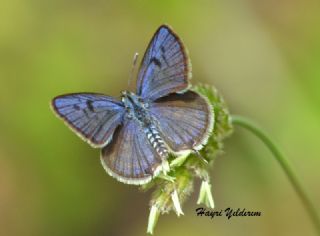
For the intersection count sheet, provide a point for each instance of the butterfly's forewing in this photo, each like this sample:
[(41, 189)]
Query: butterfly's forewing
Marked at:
[(94, 117), (130, 157), (165, 67), (185, 120)]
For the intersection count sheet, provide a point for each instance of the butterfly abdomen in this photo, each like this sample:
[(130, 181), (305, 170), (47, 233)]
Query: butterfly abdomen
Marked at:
[(156, 141)]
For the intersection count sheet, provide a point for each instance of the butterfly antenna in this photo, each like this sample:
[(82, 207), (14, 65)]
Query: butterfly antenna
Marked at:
[(135, 58), (201, 157)]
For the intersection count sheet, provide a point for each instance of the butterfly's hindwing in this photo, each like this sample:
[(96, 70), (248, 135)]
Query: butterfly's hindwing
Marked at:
[(130, 157), (94, 117), (165, 67), (184, 120)]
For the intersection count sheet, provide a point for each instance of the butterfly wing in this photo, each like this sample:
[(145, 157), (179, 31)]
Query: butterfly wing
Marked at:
[(184, 120), (165, 67), (94, 117), (130, 157)]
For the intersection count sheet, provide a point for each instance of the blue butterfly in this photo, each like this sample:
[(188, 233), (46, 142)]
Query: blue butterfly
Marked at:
[(137, 133)]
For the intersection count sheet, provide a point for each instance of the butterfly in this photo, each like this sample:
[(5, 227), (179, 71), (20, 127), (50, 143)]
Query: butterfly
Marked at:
[(137, 132)]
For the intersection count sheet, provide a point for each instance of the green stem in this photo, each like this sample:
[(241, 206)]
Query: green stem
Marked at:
[(286, 167)]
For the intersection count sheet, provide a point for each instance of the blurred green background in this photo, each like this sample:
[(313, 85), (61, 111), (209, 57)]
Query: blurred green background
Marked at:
[(263, 56)]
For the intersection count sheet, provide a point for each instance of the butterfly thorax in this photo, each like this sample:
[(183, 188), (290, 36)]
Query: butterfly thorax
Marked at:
[(137, 109)]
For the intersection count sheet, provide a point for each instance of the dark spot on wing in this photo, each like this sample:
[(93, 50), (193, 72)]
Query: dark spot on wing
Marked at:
[(90, 106), (155, 61), (76, 107), (163, 50)]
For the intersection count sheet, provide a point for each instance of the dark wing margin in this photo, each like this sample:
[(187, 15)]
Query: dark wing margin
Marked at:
[(184, 120), (165, 67), (129, 157), (93, 117)]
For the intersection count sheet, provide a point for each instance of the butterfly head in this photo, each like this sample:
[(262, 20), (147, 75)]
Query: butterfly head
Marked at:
[(128, 98)]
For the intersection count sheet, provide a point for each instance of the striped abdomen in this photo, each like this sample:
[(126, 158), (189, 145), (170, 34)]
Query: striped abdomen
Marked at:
[(156, 141)]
